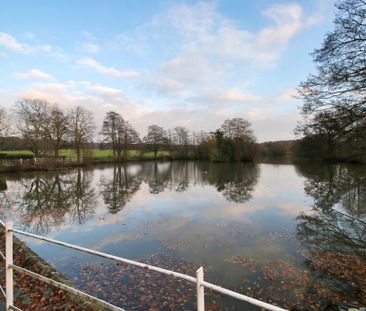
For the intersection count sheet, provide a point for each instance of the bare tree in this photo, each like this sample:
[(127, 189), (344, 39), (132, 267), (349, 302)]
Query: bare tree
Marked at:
[(81, 128), (337, 89), (4, 122), (111, 123), (170, 139), (32, 114), (181, 139), (200, 137), (119, 133), (55, 128), (156, 136), (235, 141), (127, 135), (238, 128), (181, 136)]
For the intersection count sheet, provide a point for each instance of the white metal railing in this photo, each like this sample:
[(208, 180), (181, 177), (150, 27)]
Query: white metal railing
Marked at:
[(198, 280)]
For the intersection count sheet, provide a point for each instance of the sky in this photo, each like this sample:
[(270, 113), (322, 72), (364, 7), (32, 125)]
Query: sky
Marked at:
[(171, 63)]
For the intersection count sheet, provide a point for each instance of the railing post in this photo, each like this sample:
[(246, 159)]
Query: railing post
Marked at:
[(200, 290), (8, 262)]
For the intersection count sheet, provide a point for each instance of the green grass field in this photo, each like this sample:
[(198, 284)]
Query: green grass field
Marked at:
[(94, 153), (17, 152)]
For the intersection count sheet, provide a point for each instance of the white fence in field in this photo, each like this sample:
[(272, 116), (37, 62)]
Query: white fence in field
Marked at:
[(35, 162), (199, 281)]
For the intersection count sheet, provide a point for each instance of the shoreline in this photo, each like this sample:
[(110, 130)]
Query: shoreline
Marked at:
[(31, 294), (51, 165)]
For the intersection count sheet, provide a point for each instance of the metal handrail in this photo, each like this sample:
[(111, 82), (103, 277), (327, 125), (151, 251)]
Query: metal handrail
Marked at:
[(105, 255), (2, 291), (198, 280)]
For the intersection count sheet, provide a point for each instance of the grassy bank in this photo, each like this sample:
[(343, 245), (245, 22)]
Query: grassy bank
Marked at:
[(23, 160), (93, 153)]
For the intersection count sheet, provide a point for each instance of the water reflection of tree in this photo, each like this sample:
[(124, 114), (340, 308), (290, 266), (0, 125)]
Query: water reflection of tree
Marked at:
[(46, 201), (180, 174), (236, 181), (334, 232), (5, 200), (338, 219), (119, 190), (158, 176), (83, 197)]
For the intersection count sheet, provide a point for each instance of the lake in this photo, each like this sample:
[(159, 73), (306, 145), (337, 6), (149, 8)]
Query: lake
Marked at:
[(288, 235)]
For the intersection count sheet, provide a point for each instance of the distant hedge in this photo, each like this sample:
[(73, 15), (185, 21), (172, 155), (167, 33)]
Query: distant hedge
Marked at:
[(15, 156)]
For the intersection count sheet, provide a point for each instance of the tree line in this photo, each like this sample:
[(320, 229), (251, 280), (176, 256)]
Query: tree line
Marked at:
[(45, 129), (234, 141)]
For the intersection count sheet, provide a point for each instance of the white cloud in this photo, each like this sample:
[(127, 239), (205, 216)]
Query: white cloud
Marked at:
[(225, 96), (192, 71), (91, 48), (166, 86), (288, 21), (33, 73), (208, 55), (286, 96), (104, 90), (267, 124), (52, 91), (276, 126), (10, 42), (97, 98), (200, 29), (111, 71)]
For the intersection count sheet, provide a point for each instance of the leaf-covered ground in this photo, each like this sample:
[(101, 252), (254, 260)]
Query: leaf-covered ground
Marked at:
[(31, 294)]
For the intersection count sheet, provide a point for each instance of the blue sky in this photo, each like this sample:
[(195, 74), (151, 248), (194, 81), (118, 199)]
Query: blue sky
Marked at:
[(189, 63)]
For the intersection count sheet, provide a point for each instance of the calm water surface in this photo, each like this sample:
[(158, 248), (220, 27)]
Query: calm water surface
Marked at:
[(289, 235)]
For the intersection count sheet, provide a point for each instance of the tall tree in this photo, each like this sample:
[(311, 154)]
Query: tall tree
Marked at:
[(181, 136), (4, 122), (236, 140), (4, 125), (119, 133), (181, 139), (238, 128), (55, 128), (81, 128), (32, 114), (111, 124), (127, 136), (155, 138), (339, 85)]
